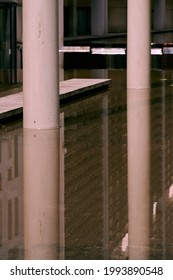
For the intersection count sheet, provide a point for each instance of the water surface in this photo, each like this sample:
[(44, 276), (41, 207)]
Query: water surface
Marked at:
[(68, 193)]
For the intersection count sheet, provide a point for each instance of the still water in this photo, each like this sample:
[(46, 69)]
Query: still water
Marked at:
[(101, 186)]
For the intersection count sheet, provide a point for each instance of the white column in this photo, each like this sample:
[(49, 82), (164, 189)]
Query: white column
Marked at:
[(138, 44), (138, 120), (138, 127), (99, 17), (40, 62)]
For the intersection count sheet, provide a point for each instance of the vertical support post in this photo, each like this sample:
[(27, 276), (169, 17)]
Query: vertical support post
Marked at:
[(99, 17), (40, 73), (13, 47), (138, 127), (138, 44)]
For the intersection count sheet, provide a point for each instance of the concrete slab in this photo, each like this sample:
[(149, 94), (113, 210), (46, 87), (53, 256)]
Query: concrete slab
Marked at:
[(13, 104), (74, 87)]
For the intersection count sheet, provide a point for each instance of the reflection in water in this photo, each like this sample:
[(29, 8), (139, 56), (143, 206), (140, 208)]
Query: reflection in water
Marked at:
[(11, 194), (86, 222), (138, 119), (103, 73), (162, 166), (43, 218), (87, 215), (105, 162)]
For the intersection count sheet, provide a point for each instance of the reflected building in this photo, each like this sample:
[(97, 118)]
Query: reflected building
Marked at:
[(118, 218), (162, 164), (96, 175), (83, 179), (90, 219), (77, 18), (11, 195)]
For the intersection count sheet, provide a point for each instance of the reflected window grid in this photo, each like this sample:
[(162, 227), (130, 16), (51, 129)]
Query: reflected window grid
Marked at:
[(10, 148), (16, 158), (16, 205), (0, 182), (0, 153), (10, 220), (10, 174), (119, 173), (13, 254), (0, 223)]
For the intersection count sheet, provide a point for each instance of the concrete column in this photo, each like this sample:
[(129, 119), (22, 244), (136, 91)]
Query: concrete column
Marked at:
[(40, 74), (138, 120), (138, 44), (99, 17)]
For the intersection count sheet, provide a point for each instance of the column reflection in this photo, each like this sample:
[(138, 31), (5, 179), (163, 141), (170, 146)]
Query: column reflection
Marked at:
[(103, 74), (138, 119), (43, 209), (105, 171)]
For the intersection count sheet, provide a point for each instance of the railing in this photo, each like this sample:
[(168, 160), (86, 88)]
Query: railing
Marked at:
[(112, 51)]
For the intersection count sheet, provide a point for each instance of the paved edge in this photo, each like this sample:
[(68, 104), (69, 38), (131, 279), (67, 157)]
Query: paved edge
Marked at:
[(104, 83)]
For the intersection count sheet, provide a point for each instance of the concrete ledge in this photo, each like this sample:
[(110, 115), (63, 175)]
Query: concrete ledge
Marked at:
[(75, 87), (12, 105)]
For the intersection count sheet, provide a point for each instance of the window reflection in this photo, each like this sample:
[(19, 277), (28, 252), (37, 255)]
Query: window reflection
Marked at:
[(11, 195), (0, 223)]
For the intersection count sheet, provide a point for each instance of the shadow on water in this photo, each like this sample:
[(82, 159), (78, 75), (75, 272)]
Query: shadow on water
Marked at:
[(66, 194)]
